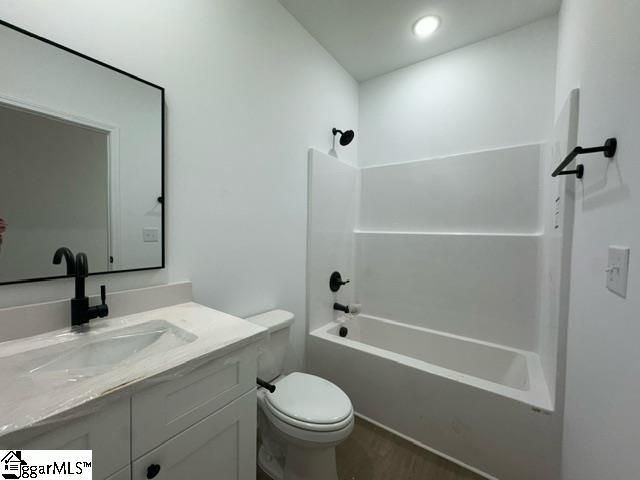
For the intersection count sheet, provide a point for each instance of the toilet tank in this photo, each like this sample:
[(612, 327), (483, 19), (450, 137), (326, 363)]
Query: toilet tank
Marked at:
[(276, 345)]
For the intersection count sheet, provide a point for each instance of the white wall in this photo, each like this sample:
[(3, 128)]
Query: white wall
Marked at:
[(495, 93), (598, 51), (248, 91), (333, 211)]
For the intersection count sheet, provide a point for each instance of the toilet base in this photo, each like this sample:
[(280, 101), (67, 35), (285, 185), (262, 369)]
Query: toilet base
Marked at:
[(301, 464), (269, 464)]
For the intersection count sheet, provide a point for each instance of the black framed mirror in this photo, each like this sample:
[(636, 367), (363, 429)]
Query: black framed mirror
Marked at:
[(81, 162)]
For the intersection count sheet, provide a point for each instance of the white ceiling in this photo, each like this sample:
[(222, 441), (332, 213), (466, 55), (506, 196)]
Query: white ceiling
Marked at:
[(372, 37)]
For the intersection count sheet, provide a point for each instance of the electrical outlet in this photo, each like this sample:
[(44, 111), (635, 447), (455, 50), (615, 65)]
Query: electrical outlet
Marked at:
[(618, 270), (150, 235)]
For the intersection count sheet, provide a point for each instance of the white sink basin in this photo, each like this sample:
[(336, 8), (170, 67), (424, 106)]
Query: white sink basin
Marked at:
[(88, 355), (63, 373)]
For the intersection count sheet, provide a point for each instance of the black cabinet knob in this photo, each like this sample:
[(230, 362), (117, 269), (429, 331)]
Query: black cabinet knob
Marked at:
[(153, 470)]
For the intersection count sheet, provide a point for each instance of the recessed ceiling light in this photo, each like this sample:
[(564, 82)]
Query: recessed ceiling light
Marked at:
[(426, 26)]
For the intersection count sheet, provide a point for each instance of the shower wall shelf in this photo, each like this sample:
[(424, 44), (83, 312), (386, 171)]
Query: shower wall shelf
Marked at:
[(609, 149)]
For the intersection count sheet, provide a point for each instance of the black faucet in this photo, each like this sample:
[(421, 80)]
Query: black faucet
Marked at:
[(81, 312)]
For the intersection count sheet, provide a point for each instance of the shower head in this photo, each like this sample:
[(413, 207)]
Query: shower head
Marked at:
[(346, 137)]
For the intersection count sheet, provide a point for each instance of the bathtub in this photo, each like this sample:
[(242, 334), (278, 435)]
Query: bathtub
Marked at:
[(482, 405)]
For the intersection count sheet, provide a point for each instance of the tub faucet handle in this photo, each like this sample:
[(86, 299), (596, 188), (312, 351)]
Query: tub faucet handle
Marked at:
[(335, 281)]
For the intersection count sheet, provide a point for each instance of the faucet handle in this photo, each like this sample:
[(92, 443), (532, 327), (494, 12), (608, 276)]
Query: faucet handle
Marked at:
[(103, 310), (335, 281)]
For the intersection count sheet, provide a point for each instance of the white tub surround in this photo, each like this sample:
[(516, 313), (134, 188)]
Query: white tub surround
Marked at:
[(447, 258), (489, 191), (332, 215), (61, 375), (482, 286), (427, 236)]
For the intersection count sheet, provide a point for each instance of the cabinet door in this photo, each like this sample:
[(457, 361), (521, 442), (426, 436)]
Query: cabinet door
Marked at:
[(107, 432), (124, 474), (164, 410), (222, 446)]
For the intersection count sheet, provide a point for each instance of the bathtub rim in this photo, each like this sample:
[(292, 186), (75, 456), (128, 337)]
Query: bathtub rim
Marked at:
[(537, 396)]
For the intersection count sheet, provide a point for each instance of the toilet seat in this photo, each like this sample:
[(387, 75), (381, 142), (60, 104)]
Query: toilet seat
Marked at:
[(309, 427), (309, 403), (308, 437)]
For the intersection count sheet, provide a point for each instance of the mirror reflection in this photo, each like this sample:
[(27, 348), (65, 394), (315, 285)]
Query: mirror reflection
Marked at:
[(80, 162)]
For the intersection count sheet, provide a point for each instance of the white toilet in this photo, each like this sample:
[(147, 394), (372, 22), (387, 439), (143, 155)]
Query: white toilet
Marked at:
[(305, 418)]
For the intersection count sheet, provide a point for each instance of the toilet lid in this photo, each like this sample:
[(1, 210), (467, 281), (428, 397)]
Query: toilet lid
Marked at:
[(310, 399)]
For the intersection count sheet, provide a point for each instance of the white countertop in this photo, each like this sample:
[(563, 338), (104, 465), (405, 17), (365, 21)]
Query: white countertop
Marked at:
[(33, 396)]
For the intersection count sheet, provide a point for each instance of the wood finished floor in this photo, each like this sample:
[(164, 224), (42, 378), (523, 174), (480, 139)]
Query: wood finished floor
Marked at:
[(371, 453)]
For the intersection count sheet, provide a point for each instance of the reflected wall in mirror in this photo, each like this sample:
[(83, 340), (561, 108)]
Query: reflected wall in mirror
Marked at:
[(81, 162)]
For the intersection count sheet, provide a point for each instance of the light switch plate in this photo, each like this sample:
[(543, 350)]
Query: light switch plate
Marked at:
[(618, 270), (151, 234)]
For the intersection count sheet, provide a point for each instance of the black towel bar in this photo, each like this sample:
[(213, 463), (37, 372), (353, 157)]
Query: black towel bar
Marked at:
[(609, 149)]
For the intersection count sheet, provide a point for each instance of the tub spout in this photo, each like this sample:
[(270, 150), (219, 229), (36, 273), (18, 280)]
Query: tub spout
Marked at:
[(351, 309), (341, 308)]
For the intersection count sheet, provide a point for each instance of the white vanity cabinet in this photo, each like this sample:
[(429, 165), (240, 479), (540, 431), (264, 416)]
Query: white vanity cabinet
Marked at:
[(124, 474), (106, 432), (201, 424), (164, 410), (222, 446)]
